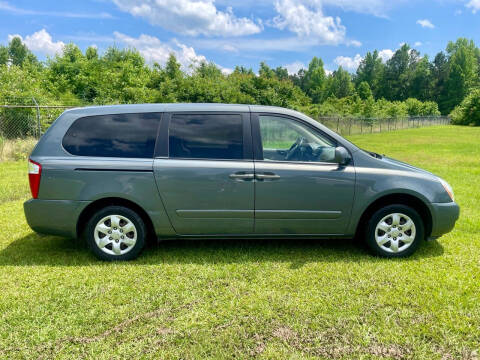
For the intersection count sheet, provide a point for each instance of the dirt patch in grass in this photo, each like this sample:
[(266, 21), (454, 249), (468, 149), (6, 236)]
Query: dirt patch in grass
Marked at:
[(115, 330)]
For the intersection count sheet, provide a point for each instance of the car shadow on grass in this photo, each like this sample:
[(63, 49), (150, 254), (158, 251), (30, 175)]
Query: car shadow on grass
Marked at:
[(35, 249)]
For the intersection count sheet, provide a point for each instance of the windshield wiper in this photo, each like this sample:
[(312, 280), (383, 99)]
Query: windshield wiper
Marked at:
[(374, 154)]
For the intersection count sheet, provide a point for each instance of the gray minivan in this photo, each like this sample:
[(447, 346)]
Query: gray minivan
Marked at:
[(121, 174)]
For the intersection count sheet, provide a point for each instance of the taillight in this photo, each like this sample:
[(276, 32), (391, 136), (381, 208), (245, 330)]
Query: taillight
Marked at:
[(34, 174)]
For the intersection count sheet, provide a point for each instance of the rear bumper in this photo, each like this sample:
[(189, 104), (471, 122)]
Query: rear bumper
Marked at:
[(54, 217), (444, 216)]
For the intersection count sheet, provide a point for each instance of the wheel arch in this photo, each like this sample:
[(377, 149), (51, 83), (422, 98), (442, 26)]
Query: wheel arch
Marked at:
[(96, 205), (413, 201)]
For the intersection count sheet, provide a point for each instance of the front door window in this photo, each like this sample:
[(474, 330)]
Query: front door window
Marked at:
[(284, 139)]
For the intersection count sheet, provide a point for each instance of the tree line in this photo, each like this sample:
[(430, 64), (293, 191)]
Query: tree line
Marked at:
[(406, 84)]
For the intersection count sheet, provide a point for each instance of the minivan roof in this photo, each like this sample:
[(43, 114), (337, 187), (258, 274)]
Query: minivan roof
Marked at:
[(108, 109)]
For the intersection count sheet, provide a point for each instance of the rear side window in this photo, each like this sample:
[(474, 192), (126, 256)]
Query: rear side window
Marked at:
[(116, 135), (204, 136)]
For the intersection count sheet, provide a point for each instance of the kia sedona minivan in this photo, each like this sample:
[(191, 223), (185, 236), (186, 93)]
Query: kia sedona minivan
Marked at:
[(118, 175)]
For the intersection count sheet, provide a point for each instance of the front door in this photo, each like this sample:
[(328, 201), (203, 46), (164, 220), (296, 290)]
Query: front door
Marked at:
[(299, 189), (205, 175)]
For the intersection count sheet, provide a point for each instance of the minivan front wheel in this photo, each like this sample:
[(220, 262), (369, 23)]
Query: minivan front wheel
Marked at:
[(116, 233), (395, 231)]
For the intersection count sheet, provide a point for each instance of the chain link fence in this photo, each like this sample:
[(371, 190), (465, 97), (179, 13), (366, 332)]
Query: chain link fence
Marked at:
[(351, 126), (22, 125)]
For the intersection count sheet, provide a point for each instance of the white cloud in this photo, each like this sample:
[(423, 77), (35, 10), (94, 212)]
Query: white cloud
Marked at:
[(425, 23), (5, 6), (355, 43), (256, 45), (229, 48), (155, 50), (306, 19), (294, 67), (418, 43), (386, 54), (225, 71), (41, 41), (474, 5), (378, 8), (373, 7), (350, 63), (190, 17)]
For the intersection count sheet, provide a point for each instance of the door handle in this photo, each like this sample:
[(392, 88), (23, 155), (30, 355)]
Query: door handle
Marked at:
[(267, 176), (241, 175)]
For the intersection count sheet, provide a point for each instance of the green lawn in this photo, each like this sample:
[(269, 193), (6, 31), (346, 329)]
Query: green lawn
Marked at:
[(266, 299)]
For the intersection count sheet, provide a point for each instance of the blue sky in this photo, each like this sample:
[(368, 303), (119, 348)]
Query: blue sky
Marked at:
[(243, 32)]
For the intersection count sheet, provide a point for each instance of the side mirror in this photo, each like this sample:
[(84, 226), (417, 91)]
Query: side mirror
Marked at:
[(342, 157)]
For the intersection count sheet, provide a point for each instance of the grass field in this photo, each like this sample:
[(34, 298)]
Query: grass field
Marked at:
[(263, 299)]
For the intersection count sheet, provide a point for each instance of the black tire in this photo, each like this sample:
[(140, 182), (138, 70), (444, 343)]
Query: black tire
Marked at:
[(141, 234), (385, 211)]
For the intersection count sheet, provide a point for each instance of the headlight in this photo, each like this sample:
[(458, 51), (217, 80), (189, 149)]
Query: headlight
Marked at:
[(447, 188)]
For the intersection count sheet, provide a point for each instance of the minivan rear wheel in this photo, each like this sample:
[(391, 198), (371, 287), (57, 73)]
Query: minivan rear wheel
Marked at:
[(116, 233), (395, 231)]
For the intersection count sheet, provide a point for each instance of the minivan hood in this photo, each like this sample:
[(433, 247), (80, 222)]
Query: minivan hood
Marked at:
[(404, 166)]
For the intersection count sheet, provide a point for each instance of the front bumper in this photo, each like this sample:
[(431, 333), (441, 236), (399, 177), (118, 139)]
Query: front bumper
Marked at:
[(54, 217), (444, 216)]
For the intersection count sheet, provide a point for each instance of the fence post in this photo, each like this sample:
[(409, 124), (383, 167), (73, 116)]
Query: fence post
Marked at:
[(38, 118)]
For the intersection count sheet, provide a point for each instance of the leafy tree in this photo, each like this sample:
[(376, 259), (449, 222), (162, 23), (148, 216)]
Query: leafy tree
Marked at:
[(369, 107), (420, 82), (314, 80), (67, 73), (298, 79), (414, 107), (19, 85), (468, 112), (281, 73), (243, 70), (3, 55), (172, 68), (395, 82), (430, 108), (463, 72), (370, 71), (364, 91), (208, 70), (265, 70), (405, 85), (91, 53), (339, 84), (439, 71), (18, 52)]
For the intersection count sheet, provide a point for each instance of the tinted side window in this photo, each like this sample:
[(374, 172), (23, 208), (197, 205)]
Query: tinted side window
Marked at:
[(206, 136), (116, 135)]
